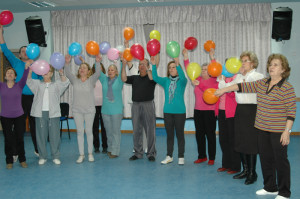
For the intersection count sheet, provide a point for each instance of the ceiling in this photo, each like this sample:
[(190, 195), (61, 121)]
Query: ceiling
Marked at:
[(23, 6)]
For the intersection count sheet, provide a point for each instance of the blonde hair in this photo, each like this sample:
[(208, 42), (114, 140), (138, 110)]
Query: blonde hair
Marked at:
[(116, 68), (89, 69), (252, 56)]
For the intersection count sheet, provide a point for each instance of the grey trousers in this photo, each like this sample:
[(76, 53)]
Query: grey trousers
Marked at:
[(45, 127), (143, 117)]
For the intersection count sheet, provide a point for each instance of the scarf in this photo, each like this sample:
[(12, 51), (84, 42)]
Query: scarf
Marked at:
[(110, 94), (172, 87)]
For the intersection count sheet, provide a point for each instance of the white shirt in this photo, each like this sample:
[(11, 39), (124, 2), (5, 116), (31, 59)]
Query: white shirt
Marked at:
[(244, 98), (98, 93), (46, 98)]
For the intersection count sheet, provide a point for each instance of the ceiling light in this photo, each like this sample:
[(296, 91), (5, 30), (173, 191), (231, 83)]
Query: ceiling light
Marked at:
[(42, 4)]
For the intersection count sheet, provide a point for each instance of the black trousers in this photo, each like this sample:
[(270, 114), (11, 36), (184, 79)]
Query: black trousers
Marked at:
[(96, 141), (26, 105), (13, 130), (205, 123), (274, 160), (230, 158), (175, 122)]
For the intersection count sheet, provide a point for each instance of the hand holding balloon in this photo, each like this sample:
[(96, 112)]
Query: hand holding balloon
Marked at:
[(195, 82), (98, 58), (68, 59)]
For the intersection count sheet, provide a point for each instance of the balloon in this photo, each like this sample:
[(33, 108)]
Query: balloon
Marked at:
[(209, 96), (113, 54), (77, 59), (6, 17), (120, 48), (214, 69), (127, 55), (154, 34), (233, 65), (57, 60), (153, 47), (40, 67), (137, 51), (173, 49), (193, 70), (75, 49), (225, 72), (104, 47), (128, 33), (92, 48), (209, 45), (190, 43), (32, 51)]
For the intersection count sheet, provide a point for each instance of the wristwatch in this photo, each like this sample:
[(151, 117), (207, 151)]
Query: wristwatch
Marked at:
[(288, 130)]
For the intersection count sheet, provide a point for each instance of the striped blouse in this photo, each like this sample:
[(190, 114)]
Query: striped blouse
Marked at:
[(274, 107)]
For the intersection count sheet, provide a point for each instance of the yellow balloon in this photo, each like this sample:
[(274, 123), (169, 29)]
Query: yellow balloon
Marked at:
[(154, 34), (233, 65), (193, 70)]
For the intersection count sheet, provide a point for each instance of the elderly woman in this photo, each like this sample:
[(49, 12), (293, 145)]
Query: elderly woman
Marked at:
[(204, 115), (174, 108), (276, 111), (246, 141), (83, 103), (112, 108), (11, 115), (46, 110)]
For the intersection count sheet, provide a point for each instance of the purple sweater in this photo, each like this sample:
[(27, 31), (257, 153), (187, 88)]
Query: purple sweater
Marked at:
[(11, 105)]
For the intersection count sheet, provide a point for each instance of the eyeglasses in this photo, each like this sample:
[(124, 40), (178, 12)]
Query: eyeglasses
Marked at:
[(245, 61)]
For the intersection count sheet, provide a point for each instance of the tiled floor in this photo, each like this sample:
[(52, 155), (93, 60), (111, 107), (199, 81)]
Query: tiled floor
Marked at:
[(120, 178)]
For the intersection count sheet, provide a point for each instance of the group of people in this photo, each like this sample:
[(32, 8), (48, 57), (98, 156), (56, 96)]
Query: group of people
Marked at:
[(255, 114)]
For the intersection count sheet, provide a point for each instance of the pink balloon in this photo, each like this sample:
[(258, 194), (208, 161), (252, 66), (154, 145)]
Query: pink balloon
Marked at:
[(113, 54), (40, 67), (6, 17), (153, 47), (137, 51)]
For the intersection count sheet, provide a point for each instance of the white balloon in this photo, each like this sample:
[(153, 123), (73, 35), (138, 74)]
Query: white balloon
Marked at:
[(120, 48)]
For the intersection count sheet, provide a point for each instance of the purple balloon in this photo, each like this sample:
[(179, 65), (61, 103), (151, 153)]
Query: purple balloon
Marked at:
[(40, 67), (57, 60), (104, 47), (77, 60)]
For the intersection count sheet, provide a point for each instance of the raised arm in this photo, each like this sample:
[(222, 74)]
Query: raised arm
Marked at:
[(96, 75), (68, 72), (179, 70), (155, 77), (185, 57), (123, 73), (1, 35), (63, 78)]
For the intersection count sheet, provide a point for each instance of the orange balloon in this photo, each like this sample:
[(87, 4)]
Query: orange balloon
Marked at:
[(127, 55), (128, 33), (214, 69), (209, 96), (92, 48), (209, 45)]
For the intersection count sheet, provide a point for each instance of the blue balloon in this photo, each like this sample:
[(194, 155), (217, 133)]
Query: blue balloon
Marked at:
[(75, 49), (104, 47), (225, 72), (57, 60), (77, 59), (32, 51)]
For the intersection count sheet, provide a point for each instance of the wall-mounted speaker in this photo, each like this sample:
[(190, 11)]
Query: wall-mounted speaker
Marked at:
[(35, 30), (282, 23)]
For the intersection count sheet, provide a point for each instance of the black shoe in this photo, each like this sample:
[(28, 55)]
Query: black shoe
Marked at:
[(133, 158), (104, 150), (151, 158), (97, 151)]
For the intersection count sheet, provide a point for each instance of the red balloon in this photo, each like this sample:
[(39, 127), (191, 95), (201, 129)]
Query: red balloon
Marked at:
[(153, 47), (137, 51), (209, 96), (6, 17), (214, 69), (190, 43)]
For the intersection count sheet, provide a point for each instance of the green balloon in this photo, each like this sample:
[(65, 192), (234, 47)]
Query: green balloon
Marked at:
[(173, 49)]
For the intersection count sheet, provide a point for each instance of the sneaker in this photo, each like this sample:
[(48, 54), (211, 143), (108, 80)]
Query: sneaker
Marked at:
[(15, 157), (24, 165), (151, 158), (91, 158), (42, 161), (263, 192), (134, 157), (200, 160), (97, 151), (56, 161), (211, 162), (167, 160), (181, 161), (281, 197), (37, 154), (80, 159), (9, 166), (146, 150)]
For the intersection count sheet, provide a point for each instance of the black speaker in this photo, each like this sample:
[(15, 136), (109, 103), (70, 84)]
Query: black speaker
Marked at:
[(35, 30), (282, 23)]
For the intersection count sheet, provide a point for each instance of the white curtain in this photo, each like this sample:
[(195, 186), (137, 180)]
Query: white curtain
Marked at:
[(233, 27)]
